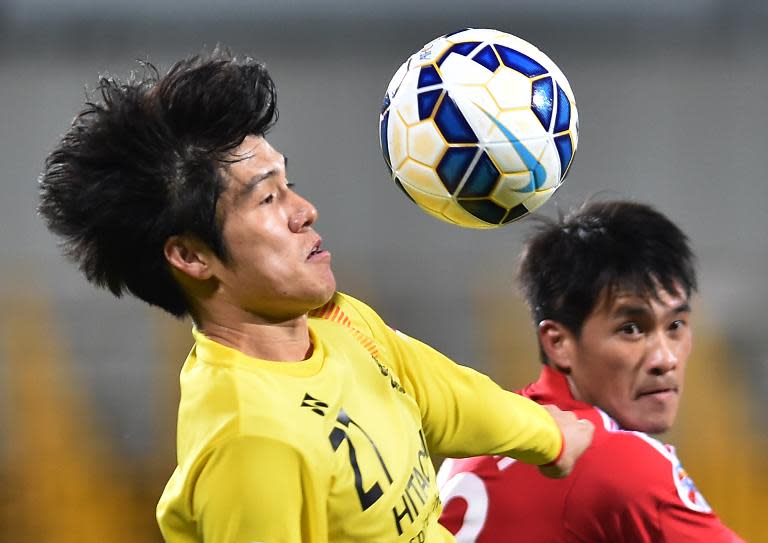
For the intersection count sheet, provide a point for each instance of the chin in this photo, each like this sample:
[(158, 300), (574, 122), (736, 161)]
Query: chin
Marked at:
[(322, 300), (649, 423), (654, 426), (658, 429), (323, 296)]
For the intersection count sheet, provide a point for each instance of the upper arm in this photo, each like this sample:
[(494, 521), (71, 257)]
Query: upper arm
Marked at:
[(257, 489), (463, 412)]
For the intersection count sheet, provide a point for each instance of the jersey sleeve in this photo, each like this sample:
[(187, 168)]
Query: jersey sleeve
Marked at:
[(257, 489), (681, 524), (633, 488), (463, 412)]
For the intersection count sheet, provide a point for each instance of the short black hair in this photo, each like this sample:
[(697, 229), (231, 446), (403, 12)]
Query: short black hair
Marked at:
[(602, 247), (143, 162)]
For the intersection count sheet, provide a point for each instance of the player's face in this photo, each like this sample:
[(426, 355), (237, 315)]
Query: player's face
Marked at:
[(630, 358), (277, 267)]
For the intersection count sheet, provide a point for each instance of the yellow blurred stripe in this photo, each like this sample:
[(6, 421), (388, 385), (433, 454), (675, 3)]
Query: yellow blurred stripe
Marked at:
[(66, 484)]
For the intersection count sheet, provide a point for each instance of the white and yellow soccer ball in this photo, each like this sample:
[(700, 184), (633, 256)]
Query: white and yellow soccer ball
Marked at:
[(478, 128)]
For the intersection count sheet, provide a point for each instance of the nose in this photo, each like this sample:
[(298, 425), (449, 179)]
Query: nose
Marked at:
[(663, 356), (304, 216)]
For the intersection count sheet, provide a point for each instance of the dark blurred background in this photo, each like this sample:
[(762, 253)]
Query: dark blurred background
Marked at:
[(674, 111)]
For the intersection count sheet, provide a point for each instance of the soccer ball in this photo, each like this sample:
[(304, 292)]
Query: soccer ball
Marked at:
[(478, 128)]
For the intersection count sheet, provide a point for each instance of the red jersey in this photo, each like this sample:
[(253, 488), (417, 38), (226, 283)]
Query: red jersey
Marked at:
[(627, 487)]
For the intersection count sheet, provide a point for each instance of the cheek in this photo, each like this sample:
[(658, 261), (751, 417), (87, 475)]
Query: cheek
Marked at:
[(255, 245), (251, 260), (607, 360), (264, 265), (685, 349), (612, 374)]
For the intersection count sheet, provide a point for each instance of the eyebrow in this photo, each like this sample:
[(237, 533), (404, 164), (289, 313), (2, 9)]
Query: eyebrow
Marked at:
[(637, 310), (626, 310), (254, 181)]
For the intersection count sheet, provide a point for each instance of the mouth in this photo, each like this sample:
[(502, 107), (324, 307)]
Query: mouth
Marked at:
[(660, 393), (317, 251)]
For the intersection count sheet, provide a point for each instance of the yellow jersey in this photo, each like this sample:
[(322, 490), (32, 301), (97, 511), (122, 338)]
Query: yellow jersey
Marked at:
[(336, 447)]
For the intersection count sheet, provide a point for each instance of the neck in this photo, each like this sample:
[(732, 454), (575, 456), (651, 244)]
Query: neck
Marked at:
[(280, 340), (574, 389)]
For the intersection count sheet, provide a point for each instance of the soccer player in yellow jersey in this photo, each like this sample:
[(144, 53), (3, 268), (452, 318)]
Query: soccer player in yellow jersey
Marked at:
[(303, 416)]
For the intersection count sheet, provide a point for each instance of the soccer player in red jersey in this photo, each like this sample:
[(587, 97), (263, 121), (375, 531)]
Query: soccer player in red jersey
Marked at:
[(609, 289)]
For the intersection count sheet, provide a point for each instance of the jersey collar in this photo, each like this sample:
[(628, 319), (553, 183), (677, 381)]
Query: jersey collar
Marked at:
[(552, 388), (211, 352)]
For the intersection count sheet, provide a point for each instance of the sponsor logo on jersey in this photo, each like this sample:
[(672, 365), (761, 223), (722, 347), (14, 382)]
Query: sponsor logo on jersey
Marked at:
[(385, 371), (688, 492), (317, 406), (686, 488), (417, 494)]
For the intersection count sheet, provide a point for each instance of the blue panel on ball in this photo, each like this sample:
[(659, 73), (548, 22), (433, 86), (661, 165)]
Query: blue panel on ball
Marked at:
[(452, 124), (520, 62), (453, 166), (485, 210), (401, 187), (486, 57), (385, 103), (563, 118), (463, 48), (385, 140), (482, 180), (515, 213), (428, 76), (565, 151), (427, 101), (542, 100)]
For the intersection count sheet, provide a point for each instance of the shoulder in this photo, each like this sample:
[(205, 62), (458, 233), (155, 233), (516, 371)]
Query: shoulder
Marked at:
[(623, 461), (348, 311), (355, 317), (625, 457), (222, 405), (248, 449)]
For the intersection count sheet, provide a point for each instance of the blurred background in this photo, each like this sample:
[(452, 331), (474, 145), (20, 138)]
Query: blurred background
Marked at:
[(674, 111)]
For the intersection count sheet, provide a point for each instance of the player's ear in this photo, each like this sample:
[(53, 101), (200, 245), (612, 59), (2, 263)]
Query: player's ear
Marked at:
[(190, 256), (558, 343)]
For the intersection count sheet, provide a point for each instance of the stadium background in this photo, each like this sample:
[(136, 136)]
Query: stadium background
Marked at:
[(674, 110)]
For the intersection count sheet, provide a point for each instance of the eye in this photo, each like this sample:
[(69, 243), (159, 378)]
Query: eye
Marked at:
[(630, 328), (677, 325), (267, 200)]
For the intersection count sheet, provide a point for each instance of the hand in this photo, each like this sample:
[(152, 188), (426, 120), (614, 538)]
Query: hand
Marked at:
[(577, 435)]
